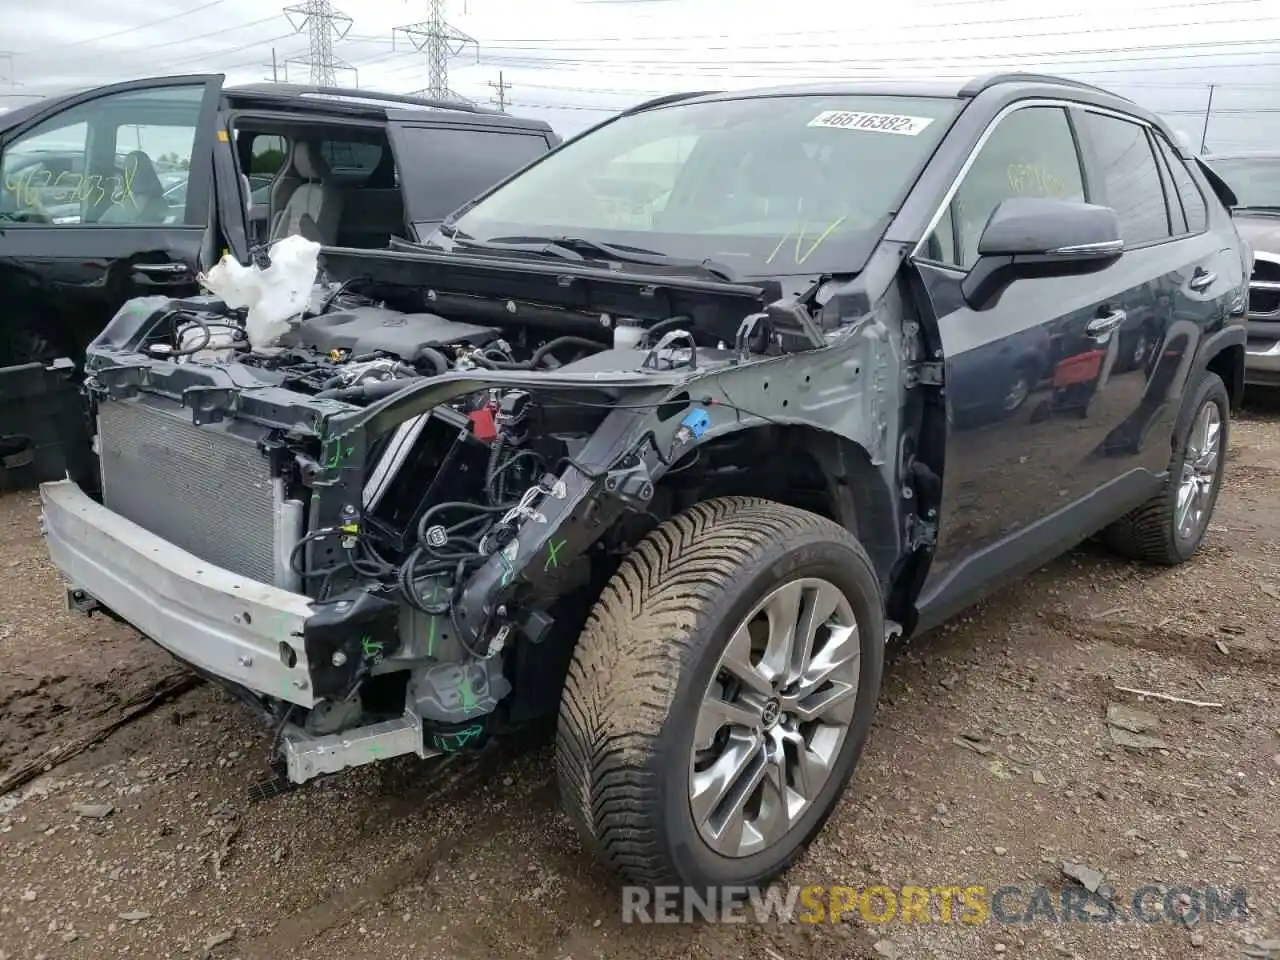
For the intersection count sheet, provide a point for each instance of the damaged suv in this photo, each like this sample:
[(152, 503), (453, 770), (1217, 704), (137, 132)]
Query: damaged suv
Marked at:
[(661, 434)]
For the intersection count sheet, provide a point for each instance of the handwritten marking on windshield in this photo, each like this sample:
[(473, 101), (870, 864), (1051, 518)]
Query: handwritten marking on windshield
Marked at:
[(802, 257)]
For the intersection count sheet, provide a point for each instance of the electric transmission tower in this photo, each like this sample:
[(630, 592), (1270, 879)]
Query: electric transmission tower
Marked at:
[(440, 41), (324, 25)]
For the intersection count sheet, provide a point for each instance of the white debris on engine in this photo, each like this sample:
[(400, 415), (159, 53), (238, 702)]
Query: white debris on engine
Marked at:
[(273, 296)]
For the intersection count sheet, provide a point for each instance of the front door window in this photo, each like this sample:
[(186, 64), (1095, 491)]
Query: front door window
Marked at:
[(117, 160)]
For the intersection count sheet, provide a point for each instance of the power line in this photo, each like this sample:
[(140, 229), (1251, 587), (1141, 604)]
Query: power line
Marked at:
[(962, 68), (824, 37), (216, 56), (323, 24), (440, 41), (500, 101), (1175, 49), (134, 29)]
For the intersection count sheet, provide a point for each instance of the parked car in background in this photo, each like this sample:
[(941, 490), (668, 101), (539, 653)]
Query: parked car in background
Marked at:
[(1255, 180), (135, 188)]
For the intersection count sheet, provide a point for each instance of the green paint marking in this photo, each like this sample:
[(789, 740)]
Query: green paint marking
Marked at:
[(369, 648), (431, 637), (468, 696), (553, 559), (471, 733), (456, 741), (337, 454)]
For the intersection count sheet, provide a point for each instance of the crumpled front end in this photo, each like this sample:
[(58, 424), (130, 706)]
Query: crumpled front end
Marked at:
[(355, 571), (385, 530)]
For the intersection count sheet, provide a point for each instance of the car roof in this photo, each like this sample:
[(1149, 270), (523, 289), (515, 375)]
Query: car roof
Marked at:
[(301, 98), (374, 104), (1011, 85), (1243, 155)]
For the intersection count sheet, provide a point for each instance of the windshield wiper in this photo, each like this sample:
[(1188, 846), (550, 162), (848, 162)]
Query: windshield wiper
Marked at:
[(465, 241), (620, 253)]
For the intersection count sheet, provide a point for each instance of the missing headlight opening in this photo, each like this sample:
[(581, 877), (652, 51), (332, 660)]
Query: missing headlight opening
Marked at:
[(443, 479)]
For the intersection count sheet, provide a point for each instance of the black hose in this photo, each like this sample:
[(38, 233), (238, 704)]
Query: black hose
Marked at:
[(366, 391), (342, 288), (493, 469), (661, 325), (433, 357), (189, 351), (540, 353)]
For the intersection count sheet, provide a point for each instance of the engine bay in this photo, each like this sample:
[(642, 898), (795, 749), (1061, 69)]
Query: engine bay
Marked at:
[(441, 494), (443, 474)]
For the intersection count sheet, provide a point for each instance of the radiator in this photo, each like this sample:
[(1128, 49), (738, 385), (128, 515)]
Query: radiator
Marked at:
[(205, 489)]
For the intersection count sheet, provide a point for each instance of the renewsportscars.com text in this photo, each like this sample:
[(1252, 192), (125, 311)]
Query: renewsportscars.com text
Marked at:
[(970, 904)]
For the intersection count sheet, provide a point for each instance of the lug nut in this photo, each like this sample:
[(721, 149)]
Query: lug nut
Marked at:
[(338, 658)]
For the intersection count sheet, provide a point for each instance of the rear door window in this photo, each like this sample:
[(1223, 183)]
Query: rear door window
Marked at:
[(351, 160), (444, 167), (1193, 205), (1130, 178)]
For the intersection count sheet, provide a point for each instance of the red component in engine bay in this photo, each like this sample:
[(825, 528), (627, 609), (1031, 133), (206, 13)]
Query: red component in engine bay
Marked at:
[(482, 424)]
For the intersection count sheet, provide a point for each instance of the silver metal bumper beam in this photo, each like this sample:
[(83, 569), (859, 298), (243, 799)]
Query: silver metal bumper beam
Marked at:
[(223, 623), (1262, 362)]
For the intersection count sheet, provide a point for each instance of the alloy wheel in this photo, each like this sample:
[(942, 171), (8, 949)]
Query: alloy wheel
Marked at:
[(1016, 395), (774, 717), (1140, 350), (1199, 471)]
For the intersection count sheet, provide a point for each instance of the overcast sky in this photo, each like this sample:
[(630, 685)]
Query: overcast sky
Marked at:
[(573, 62)]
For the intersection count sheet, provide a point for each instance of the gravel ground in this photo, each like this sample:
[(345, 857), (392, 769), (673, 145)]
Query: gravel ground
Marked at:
[(991, 764)]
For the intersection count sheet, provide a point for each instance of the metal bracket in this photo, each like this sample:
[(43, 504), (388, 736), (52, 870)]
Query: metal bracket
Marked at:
[(631, 484), (80, 602), (209, 404), (920, 532), (928, 374), (122, 382), (792, 317), (307, 757)]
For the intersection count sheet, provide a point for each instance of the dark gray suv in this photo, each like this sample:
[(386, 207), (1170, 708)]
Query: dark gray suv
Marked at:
[(1254, 178), (669, 435)]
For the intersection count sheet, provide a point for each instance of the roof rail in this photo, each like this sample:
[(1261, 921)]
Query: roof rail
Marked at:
[(666, 98), (978, 84), (353, 93)]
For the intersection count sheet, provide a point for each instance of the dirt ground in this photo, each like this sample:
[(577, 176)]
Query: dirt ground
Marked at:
[(992, 762)]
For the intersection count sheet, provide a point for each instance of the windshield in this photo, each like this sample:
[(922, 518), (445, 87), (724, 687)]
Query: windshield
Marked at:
[(1254, 180), (766, 186)]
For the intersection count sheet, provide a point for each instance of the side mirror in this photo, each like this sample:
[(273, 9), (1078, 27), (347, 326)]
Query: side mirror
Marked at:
[(1029, 237)]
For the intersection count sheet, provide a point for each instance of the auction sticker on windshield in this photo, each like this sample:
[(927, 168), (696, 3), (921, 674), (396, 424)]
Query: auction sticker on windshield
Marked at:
[(875, 122)]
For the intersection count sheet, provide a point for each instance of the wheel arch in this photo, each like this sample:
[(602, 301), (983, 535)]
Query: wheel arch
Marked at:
[(813, 469), (1228, 363)]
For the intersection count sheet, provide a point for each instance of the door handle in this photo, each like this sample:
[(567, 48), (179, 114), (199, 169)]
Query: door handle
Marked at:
[(162, 269), (1101, 328), (1201, 279)]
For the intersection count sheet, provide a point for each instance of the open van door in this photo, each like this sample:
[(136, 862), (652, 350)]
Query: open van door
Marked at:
[(105, 195)]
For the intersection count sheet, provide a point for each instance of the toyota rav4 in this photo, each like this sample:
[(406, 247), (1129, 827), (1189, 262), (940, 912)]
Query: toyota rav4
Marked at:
[(672, 433)]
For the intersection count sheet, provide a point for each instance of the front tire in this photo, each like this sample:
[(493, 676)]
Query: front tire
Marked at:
[(695, 745), (1169, 528)]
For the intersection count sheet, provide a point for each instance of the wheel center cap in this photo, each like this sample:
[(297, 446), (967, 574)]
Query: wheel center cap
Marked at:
[(770, 713)]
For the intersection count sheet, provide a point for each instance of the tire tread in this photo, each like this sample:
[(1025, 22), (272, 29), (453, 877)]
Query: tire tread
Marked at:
[(622, 680)]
